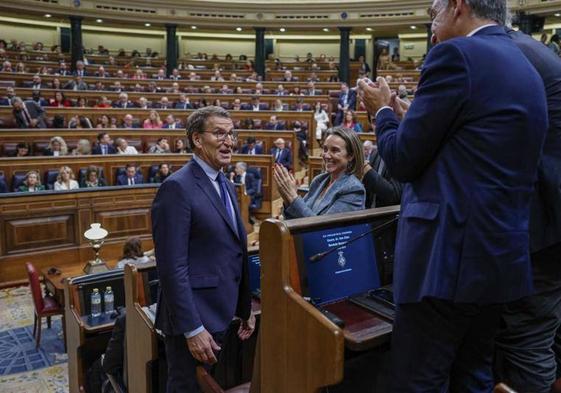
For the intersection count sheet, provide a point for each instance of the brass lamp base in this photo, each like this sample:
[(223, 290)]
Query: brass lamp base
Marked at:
[(93, 267)]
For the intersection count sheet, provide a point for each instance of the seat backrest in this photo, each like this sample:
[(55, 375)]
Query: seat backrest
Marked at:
[(35, 286), (3, 184), (17, 180), (152, 172), (50, 178)]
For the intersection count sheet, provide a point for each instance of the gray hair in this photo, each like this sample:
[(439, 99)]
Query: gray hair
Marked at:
[(241, 165), (496, 10), (196, 122)]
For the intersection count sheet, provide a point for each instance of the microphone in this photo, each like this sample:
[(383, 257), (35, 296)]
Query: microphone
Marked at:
[(320, 255)]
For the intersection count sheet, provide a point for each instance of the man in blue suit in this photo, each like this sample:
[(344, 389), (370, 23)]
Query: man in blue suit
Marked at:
[(282, 154), (347, 100), (131, 176), (525, 359), (201, 252), (467, 151), (251, 147)]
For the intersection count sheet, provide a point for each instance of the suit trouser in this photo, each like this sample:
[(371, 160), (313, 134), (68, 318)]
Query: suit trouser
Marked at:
[(182, 365), (440, 346), (525, 357)]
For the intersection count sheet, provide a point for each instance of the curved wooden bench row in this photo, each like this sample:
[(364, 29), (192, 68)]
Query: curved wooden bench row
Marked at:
[(92, 97), (322, 75), (141, 139), (20, 78)]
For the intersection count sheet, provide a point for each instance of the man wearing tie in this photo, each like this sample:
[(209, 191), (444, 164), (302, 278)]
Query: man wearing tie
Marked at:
[(468, 152), (282, 154), (201, 253), (131, 176), (251, 147), (347, 100), (80, 69), (28, 114), (104, 145)]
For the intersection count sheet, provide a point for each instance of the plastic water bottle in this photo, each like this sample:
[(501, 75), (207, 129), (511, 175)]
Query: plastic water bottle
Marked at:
[(108, 300), (96, 303)]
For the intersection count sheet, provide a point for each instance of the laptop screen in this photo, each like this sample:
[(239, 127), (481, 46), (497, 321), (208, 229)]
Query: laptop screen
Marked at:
[(349, 270)]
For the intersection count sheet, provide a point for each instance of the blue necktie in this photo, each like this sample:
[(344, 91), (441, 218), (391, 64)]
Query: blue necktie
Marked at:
[(223, 195)]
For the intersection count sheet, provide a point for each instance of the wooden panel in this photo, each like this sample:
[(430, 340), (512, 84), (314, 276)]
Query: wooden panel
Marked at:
[(125, 222), (39, 233)]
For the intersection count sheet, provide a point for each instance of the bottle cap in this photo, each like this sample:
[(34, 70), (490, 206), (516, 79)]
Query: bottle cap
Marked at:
[(95, 290), (108, 288)]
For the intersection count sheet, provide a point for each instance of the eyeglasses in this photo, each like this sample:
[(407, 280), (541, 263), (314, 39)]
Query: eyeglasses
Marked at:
[(434, 11), (221, 135)]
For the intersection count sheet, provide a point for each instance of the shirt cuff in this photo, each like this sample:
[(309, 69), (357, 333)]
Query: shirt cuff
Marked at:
[(193, 333), (382, 108)]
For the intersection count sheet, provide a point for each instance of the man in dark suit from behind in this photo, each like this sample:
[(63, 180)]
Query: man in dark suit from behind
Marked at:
[(28, 114), (251, 147), (468, 152), (131, 177), (525, 359), (104, 145), (201, 252)]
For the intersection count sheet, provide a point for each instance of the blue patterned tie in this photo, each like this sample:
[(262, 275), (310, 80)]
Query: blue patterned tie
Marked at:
[(223, 195)]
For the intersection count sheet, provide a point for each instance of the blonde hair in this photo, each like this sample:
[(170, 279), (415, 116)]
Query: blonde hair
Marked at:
[(32, 172), (63, 146), (65, 168)]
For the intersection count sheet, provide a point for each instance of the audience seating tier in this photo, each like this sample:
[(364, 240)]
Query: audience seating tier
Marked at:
[(239, 117), (21, 79)]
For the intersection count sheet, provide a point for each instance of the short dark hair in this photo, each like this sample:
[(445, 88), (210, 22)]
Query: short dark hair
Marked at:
[(101, 135), (130, 165), (132, 248), (197, 121), (250, 140)]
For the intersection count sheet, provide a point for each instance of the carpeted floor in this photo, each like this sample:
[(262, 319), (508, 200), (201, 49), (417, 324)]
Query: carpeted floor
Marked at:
[(23, 368)]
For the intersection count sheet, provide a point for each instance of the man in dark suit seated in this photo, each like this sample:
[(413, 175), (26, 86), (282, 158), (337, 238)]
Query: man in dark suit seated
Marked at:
[(468, 152), (201, 253), (172, 123), (128, 122), (123, 102), (183, 103), (80, 69), (104, 145), (76, 84), (242, 176), (251, 147), (312, 91), (63, 69), (37, 83), (524, 357), (130, 177), (7, 99), (143, 103), (274, 124), (283, 155), (163, 103), (347, 100), (36, 97), (28, 114), (255, 105)]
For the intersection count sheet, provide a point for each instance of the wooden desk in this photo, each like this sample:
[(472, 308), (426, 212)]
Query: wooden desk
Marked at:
[(54, 283), (304, 349), (363, 330)]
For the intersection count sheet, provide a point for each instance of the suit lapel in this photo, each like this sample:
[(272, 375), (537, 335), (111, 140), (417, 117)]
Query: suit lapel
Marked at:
[(204, 183), (328, 196)]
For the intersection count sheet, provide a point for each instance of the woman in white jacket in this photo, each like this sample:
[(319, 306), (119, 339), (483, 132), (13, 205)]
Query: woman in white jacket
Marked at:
[(322, 121)]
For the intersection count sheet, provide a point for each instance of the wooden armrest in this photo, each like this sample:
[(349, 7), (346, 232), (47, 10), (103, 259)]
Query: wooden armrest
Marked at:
[(206, 382)]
